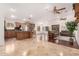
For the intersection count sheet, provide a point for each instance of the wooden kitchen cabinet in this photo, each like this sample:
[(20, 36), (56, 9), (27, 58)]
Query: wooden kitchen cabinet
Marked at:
[(51, 37), (10, 34), (20, 35), (23, 35)]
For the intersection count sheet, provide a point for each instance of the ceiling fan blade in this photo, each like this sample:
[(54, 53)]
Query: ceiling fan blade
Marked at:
[(61, 9), (56, 11)]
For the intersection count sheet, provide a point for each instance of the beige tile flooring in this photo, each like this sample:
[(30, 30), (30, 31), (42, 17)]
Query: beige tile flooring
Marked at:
[(30, 47)]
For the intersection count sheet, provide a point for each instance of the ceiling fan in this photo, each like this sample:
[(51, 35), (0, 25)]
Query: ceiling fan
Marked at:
[(58, 11)]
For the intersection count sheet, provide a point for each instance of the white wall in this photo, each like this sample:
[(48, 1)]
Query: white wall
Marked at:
[(39, 12), (77, 35), (1, 31), (69, 17)]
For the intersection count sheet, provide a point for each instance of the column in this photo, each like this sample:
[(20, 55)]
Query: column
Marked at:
[(2, 31)]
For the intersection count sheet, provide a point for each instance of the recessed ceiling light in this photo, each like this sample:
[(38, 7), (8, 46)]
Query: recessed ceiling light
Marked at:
[(24, 19), (12, 9), (47, 7), (12, 16), (31, 16)]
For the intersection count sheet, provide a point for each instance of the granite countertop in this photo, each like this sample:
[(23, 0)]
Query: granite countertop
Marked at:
[(18, 30)]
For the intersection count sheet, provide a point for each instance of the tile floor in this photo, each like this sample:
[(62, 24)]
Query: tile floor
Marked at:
[(29, 47)]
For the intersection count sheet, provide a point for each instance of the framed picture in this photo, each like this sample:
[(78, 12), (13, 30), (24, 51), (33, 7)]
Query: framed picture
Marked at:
[(9, 25)]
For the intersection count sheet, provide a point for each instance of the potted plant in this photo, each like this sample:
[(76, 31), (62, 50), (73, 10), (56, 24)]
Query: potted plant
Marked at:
[(71, 26)]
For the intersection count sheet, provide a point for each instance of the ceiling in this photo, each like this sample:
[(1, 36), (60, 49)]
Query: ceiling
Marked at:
[(39, 11)]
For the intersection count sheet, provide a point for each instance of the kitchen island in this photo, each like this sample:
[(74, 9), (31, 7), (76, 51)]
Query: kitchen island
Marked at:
[(18, 34)]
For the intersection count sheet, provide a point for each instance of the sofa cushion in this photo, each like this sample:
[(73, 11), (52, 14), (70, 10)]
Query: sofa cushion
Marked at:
[(64, 33)]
